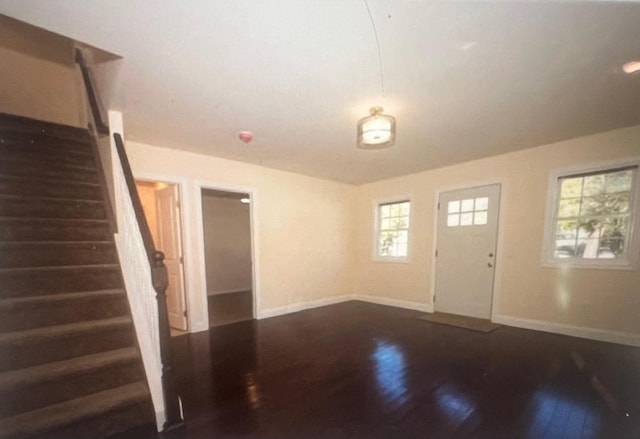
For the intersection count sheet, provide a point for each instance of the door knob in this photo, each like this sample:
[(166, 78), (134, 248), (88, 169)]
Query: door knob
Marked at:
[(489, 264), (490, 255)]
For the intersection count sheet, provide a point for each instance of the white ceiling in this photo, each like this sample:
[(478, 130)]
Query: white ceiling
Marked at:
[(464, 79)]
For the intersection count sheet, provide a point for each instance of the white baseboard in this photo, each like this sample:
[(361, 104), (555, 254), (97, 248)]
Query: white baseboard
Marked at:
[(536, 325), (160, 419), (288, 309), (417, 306), (625, 338)]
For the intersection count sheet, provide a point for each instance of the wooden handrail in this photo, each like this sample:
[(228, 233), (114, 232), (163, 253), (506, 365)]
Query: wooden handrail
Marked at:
[(143, 224), (100, 125), (159, 274)]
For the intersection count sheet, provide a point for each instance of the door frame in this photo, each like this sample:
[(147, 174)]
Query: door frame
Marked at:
[(199, 185), (148, 178), (497, 274)]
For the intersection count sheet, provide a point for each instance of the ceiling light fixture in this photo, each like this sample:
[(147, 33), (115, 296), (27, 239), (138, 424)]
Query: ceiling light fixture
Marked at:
[(245, 200), (631, 67), (377, 130)]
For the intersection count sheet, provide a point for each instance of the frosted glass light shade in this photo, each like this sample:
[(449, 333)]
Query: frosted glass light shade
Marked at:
[(377, 130)]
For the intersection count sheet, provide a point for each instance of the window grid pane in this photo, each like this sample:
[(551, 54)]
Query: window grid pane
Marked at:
[(593, 215), (480, 218), (482, 203), (467, 212), (466, 205), (393, 229), (466, 219)]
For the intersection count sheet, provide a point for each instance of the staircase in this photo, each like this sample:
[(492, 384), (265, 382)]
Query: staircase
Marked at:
[(69, 362)]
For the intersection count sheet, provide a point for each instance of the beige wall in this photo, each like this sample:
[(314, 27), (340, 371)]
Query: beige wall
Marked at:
[(313, 237), (591, 298), (302, 227), (40, 89), (39, 79), (227, 244)]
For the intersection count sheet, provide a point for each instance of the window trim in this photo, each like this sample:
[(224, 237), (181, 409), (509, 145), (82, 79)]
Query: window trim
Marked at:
[(376, 229), (630, 261)]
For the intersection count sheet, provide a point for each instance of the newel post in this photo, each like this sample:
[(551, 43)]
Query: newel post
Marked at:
[(160, 280)]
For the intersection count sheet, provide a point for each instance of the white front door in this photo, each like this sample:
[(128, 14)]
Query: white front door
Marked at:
[(466, 250), (169, 242)]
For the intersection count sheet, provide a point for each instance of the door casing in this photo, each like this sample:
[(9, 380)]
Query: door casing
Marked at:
[(199, 186)]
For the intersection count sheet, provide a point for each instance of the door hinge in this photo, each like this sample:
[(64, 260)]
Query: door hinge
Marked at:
[(178, 204), (434, 299), (184, 313), (436, 253), (438, 205), (181, 260)]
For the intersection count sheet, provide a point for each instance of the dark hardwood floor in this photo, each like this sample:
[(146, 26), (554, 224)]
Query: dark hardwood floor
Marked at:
[(357, 370), (230, 308)]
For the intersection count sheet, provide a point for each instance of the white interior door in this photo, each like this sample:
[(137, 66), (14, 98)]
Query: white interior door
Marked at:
[(466, 250), (170, 243)]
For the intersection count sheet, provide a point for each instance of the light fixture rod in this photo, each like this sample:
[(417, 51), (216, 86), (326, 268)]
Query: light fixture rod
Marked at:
[(375, 33)]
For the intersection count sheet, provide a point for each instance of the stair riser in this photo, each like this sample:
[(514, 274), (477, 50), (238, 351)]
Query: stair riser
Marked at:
[(24, 317), (111, 423), (35, 283), (68, 209), (42, 143), (17, 256), (21, 230), (36, 188), (32, 397), (48, 170), (57, 349), (45, 155)]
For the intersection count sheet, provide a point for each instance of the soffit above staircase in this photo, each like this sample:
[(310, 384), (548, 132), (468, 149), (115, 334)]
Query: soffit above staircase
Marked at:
[(465, 80)]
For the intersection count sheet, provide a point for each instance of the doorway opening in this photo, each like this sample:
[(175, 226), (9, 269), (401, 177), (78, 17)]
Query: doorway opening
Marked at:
[(226, 222), (467, 234), (161, 204)]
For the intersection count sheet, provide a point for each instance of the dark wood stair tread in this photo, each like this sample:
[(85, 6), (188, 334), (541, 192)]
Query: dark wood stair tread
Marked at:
[(76, 222), (22, 160), (30, 301), (62, 267), (46, 199), (76, 410), (49, 180), (43, 141), (21, 124), (10, 244), (37, 335), (56, 370)]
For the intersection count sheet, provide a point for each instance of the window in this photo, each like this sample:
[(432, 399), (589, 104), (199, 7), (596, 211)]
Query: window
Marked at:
[(468, 212), (392, 230), (592, 218)]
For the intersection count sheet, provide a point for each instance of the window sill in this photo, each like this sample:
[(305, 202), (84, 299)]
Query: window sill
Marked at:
[(391, 259), (555, 263)]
